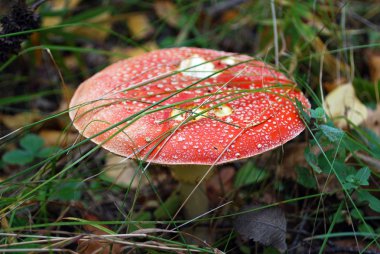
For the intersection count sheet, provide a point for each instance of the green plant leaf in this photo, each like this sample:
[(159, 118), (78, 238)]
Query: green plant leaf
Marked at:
[(67, 191), (356, 213), (170, 206), (305, 178), (270, 250), (46, 152), (349, 185), (18, 157), (366, 89), (332, 133), (343, 170), (141, 217), (324, 161), (363, 175), (32, 143), (306, 31), (350, 144), (317, 113), (301, 110), (250, 174), (373, 141), (366, 229), (312, 160), (365, 196)]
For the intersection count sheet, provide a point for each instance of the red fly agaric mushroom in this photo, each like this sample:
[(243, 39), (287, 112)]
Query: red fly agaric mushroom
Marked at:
[(188, 108)]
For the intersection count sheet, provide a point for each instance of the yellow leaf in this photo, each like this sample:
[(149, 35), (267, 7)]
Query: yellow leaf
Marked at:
[(61, 4), (342, 105), (55, 6), (167, 11), (19, 120), (139, 25), (103, 23)]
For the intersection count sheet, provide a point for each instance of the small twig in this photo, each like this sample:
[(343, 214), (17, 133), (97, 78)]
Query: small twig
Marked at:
[(372, 162), (154, 245), (364, 21)]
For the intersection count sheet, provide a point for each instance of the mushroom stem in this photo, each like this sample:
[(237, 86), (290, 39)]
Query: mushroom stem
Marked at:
[(195, 196)]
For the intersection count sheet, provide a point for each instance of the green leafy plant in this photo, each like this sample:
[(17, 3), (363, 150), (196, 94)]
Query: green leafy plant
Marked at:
[(360, 178), (334, 145), (68, 190), (31, 148), (250, 174)]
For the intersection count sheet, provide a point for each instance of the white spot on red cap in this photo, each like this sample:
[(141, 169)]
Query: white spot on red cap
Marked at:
[(229, 60), (197, 67)]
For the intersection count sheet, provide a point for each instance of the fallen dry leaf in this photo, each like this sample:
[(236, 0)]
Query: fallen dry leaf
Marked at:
[(5, 226), (139, 25), (56, 6), (60, 4), (342, 106), (266, 226), (19, 120), (122, 172), (167, 10), (51, 21), (96, 245), (71, 61), (230, 15), (103, 23)]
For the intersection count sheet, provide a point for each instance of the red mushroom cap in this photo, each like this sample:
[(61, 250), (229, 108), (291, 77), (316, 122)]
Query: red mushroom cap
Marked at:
[(188, 106)]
